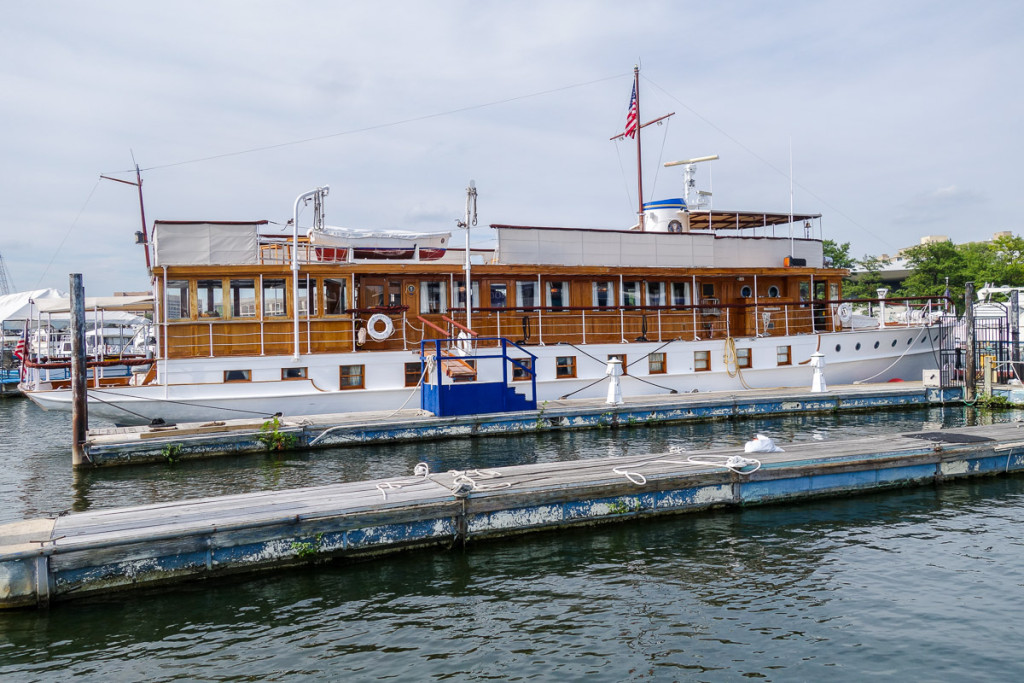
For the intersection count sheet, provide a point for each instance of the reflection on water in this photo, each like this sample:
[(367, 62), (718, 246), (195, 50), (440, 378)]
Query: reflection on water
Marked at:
[(917, 583)]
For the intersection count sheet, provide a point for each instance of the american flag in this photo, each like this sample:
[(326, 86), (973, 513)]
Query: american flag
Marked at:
[(19, 348), (633, 117)]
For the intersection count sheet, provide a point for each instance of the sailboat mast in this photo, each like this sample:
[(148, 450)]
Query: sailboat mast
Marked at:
[(639, 159)]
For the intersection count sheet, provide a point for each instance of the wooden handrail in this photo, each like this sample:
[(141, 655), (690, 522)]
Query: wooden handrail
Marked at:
[(444, 332), (461, 327)]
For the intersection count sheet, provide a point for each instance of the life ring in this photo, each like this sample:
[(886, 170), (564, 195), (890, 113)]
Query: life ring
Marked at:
[(844, 313), (380, 335)]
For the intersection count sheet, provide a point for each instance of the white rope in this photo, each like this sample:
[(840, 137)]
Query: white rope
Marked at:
[(387, 485), (907, 350), (463, 481), (736, 463)]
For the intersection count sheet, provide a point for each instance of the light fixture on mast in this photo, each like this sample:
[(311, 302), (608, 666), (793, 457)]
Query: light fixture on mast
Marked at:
[(688, 173)]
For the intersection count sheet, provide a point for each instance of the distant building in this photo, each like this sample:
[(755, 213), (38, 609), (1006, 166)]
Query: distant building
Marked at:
[(894, 269)]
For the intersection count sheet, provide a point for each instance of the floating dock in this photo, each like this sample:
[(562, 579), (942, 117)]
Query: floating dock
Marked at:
[(96, 552), (136, 445)]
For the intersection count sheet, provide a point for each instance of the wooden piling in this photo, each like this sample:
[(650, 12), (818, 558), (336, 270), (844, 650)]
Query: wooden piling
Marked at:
[(79, 396), (970, 371)]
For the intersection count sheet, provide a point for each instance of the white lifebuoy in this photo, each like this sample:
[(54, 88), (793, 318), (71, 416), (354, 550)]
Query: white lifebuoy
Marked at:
[(380, 335), (844, 313)]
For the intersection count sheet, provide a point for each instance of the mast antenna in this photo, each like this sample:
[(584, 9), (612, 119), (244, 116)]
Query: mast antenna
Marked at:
[(143, 236)]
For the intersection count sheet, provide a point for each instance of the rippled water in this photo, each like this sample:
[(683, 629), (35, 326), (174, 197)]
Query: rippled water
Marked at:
[(919, 584)]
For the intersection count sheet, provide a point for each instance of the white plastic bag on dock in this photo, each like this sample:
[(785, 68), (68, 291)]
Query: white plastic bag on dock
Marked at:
[(761, 444)]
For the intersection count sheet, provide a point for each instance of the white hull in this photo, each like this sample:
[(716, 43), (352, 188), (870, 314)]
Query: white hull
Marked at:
[(193, 391)]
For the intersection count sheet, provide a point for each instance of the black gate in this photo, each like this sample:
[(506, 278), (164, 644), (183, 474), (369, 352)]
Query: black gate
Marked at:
[(991, 338)]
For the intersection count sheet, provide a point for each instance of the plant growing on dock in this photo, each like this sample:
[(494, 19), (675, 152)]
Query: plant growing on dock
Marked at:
[(306, 549), (171, 452), (991, 403), (622, 507), (273, 438), (540, 424)]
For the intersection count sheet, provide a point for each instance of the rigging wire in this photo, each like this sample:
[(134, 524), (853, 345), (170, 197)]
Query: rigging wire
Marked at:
[(380, 126), (71, 227)]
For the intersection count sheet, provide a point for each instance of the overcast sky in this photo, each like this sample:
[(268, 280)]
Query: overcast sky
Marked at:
[(903, 117)]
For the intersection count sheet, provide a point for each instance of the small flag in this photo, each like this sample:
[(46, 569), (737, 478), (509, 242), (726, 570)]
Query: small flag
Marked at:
[(633, 116), (19, 348)]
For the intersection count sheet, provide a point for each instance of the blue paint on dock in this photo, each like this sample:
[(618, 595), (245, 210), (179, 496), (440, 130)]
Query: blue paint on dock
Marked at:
[(134, 445), (106, 550)]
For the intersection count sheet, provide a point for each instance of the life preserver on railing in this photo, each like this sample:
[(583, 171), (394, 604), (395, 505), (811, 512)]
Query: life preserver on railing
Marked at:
[(380, 334), (844, 313)]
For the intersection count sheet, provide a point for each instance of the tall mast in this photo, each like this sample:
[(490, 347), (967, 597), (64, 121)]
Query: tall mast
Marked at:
[(639, 160), (144, 235)]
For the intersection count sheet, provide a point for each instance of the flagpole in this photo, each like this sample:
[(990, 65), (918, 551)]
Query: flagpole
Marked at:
[(639, 160)]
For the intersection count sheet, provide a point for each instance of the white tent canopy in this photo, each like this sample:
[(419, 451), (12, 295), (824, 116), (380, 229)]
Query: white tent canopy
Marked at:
[(23, 305)]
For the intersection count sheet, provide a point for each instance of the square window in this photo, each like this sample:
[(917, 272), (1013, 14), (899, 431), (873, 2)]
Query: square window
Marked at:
[(783, 355), (558, 294), (701, 361), (293, 373), (622, 360), (178, 300), (243, 298), (743, 359), (565, 366), (499, 294), (335, 296), (433, 296), (680, 293), (274, 298), (526, 294), (521, 373), (630, 293), (603, 294), (210, 296), (307, 297), (238, 375), (412, 374), (353, 377), (707, 289), (656, 363)]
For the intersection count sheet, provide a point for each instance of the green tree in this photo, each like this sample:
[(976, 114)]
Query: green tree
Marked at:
[(1007, 253), (930, 266), (867, 280), (838, 254)]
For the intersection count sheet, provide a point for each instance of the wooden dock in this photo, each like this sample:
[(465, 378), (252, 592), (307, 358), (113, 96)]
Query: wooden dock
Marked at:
[(90, 553), (136, 445)]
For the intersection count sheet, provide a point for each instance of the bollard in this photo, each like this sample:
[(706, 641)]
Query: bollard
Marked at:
[(818, 363), (614, 371)]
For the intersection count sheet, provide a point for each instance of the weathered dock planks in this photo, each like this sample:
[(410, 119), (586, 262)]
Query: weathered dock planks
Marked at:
[(94, 552), (137, 445)]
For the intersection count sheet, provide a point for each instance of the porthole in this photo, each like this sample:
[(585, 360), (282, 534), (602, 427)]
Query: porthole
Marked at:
[(910, 340), (894, 342), (745, 291), (857, 348), (773, 292), (876, 345), (838, 346)]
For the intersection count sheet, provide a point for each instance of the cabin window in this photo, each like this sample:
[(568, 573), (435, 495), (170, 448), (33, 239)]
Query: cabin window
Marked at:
[(499, 294), (630, 294), (243, 298), (335, 296), (656, 363), (412, 374), (522, 372), (274, 298), (177, 300), (773, 292), (565, 366), (745, 292), (526, 294), (433, 297), (293, 373), (680, 293), (805, 290), (558, 294), (373, 295), (238, 375), (655, 293), (352, 377), (743, 359), (622, 360), (833, 290), (307, 307), (707, 289), (394, 293), (603, 294), (701, 361), (460, 294), (210, 296), (784, 355)]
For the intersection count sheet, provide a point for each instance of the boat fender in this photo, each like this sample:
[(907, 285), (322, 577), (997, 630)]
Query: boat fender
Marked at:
[(380, 334), (361, 336), (844, 313)]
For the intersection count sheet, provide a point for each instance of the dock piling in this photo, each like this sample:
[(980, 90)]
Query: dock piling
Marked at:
[(79, 397)]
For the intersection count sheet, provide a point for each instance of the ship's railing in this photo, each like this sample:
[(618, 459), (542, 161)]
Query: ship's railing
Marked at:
[(544, 325)]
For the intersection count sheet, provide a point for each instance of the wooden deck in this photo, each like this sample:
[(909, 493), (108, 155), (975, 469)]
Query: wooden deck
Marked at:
[(105, 550)]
